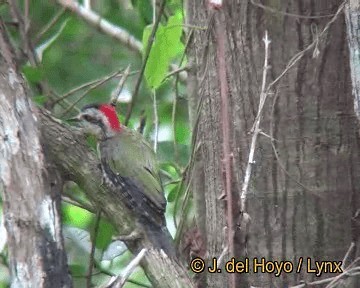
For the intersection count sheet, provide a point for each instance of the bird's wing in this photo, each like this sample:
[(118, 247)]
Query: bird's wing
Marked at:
[(138, 165)]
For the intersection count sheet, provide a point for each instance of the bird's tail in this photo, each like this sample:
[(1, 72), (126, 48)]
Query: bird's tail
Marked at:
[(159, 236)]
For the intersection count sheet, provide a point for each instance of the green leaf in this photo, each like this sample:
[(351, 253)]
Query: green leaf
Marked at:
[(75, 216), (33, 74), (39, 99), (172, 193), (167, 44), (166, 153), (105, 233)]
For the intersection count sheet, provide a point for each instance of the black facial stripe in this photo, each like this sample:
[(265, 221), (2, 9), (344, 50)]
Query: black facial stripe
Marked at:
[(96, 106)]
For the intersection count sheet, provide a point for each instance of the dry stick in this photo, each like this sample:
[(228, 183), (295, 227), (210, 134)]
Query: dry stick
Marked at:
[(109, 28), (348, 268), (82, 86), (345, 271), (296, 58), (102, 24), (146, 57), (272, 10), (175, 72), (67, 198), (99, 83), (255, 129), (92, 253), (23, 27), (224, 94), (117, 91), (347, 255), (301, 54), (119, 281), (348, 273)]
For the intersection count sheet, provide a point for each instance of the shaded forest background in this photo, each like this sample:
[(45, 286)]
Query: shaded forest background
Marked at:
[(273, 79)]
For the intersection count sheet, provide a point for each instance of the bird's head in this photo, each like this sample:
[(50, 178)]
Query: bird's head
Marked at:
[(100, 120)]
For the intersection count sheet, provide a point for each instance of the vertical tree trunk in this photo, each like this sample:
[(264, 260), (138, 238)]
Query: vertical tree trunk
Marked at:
[(303, 190), (352, 13), (31, 193)]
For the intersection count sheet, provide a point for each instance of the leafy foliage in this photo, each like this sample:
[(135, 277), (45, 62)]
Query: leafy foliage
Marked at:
[(167, 44)]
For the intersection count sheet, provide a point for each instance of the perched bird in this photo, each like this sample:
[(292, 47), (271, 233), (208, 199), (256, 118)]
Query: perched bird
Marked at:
[(129, 166)]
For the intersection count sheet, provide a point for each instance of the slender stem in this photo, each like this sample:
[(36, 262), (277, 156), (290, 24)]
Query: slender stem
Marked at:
[(92, 253), (146, 57)]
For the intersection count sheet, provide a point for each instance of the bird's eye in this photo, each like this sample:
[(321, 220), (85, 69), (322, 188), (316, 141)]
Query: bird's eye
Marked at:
[(87, 118)]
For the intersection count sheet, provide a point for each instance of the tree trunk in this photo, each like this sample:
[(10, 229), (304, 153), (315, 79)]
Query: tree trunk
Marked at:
[(31, 192), (303, 191)]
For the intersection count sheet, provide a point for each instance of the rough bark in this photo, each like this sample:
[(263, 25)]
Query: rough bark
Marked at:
[(313, 121), (352, 13), (30, 192), (77, 162)]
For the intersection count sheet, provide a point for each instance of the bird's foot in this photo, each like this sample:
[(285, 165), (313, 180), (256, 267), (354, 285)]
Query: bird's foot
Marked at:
[(134, 235)]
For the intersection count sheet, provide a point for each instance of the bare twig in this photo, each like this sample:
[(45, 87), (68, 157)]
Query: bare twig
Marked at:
[(68, 199), (92, 253), (109, 28), (255, 130), (117, 91), (272, 10), (94, 86), (146, 57), (90, 83), (102, 24), (352, 272), (348, 252), (23, 28), (52, 22), (176, 96), (174, 72), (118, 282), (296, 58)]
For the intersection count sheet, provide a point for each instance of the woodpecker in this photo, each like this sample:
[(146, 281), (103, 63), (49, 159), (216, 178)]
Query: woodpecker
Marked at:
[(130, 167)]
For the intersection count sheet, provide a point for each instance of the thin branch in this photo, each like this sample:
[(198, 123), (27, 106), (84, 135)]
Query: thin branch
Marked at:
[(296, 58), (175, 72), (117, 91), (49, 25), (103, 25), (119, 281), (272, 10), (82, 86), (350, 273), (92, 87), (176, 95), (348, 252), (92, 253), (23, 28), (68, 199), (255, 130), (146, 57), (109, 28)]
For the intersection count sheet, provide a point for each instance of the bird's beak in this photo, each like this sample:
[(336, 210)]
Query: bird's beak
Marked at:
[(74, 120)]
